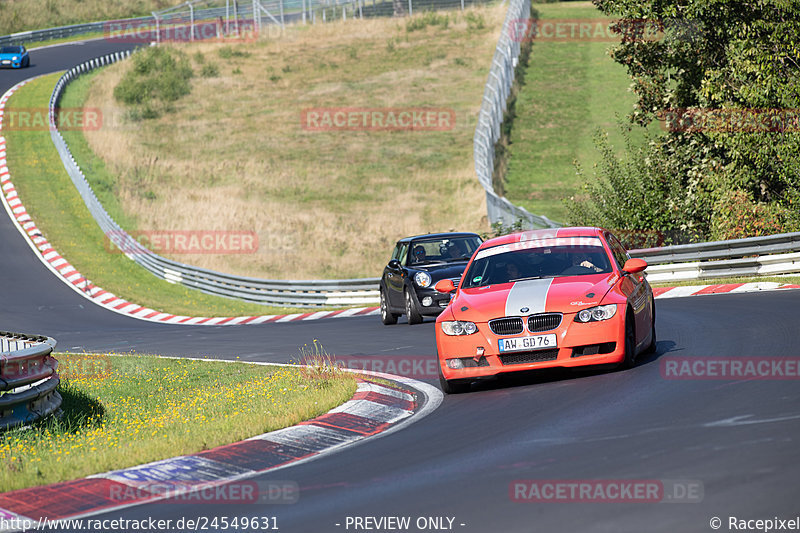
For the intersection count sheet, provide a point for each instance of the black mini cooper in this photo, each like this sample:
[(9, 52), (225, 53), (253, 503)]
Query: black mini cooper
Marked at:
[(416, 265)]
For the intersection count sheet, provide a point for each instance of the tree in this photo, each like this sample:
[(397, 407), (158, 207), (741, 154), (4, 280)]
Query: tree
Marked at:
[(724, 78)]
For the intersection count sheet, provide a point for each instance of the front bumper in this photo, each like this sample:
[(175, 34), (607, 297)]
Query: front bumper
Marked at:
[(439, 301), (8, 63), (578, 344)]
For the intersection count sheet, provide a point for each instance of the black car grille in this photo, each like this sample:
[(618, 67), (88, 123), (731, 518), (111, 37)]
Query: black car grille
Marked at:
[(506, 326), (537, 356), (512, 325), (543, 322), (456, 281)]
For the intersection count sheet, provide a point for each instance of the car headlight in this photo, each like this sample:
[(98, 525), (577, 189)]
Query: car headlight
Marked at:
[(422, 279), (459, 327), (14, 58), (597, 314)]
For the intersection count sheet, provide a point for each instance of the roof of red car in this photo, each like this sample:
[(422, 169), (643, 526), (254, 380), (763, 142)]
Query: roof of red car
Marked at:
[(538, 234)]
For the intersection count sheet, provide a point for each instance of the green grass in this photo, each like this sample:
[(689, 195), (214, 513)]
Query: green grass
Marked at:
[(52, 200), (121, 411), (571, 89)]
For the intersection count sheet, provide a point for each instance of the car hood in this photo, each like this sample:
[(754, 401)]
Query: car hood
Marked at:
[(9, 56), (563, 295), (443, 270)]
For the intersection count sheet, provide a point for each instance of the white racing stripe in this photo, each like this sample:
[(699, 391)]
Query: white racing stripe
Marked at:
[(531, 294)]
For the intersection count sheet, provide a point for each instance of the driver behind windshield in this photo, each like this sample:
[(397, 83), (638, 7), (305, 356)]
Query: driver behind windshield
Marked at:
[(456, 251), (419, 254)]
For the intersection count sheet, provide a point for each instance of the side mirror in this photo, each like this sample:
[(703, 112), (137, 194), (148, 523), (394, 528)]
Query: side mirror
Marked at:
[(632, 266), (445, 286), (394, 264)]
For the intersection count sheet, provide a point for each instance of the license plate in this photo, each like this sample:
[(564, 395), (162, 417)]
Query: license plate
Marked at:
[(534, 342), (6, 62)]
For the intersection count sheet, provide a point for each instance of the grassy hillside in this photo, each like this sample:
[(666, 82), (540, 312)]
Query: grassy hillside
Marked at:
[(22, 15), (235, 154), (572, 88)]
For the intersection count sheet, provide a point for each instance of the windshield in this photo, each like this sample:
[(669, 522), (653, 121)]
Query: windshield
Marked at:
[(9, 50), (445, 250), (546, 258)]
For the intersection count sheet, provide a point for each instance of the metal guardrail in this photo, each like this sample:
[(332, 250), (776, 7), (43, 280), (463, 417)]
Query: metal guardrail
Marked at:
[(487, 132), (275, 11), (780, 243), (73, 30), (291, 293), (28, 379), (753, 256)]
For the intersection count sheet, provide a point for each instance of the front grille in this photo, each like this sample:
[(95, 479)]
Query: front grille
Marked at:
[(506, 326), (456, 281), (543, 322), (537, 356)]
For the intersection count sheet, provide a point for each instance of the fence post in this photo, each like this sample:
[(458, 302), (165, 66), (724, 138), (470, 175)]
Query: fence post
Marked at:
[(191, 22), (410, 8)]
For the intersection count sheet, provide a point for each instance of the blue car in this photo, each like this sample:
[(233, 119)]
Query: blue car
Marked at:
[(14, 57)]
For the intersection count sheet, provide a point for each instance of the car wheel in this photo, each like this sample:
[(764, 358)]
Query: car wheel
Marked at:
[(630, 342), (387, 317), (652, 347), (453, 386), (412, 313)]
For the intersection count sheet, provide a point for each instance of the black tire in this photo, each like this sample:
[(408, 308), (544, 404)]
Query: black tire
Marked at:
[(453, 386), (651, 348), (412, 313), (387, 317), (630, 342)]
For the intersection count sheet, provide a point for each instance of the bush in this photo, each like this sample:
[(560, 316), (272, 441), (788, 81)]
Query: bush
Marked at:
[(737, 216), (159, 76), (210, 70), (648, 193), (229, 52), (429, 18), (475, 21)]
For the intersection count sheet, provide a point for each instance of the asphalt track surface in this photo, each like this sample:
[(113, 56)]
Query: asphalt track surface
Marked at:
[(740, 439)]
